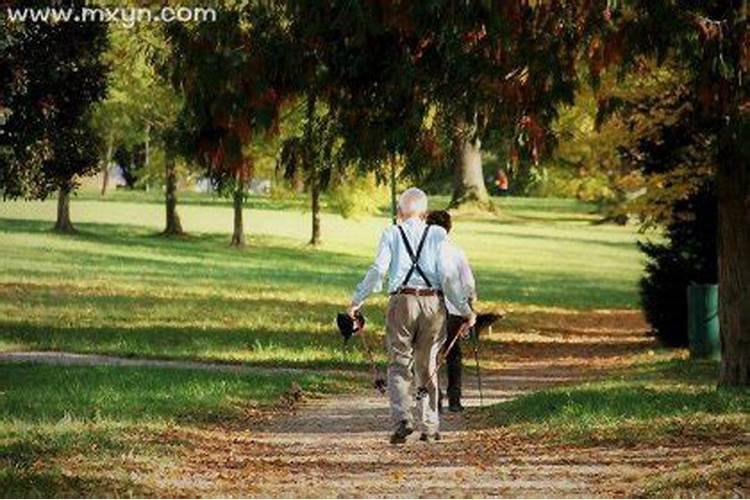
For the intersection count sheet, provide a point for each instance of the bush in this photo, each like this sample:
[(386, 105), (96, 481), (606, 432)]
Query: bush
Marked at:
[(688, 256), (355, 196)]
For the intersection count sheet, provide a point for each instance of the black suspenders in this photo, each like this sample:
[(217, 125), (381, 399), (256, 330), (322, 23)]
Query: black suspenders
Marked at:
[(414, 257)]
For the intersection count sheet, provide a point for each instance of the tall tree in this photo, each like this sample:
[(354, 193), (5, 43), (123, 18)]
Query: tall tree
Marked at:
[(232, 75), (50, 75), (312, 156), (141, 108), (468, 180), (712, 40), (515, 62), (501, 65)]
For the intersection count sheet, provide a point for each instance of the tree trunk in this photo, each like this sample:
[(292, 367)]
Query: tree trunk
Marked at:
[(106, 163), (733, 183), (520, 181), (173, 227), (315, 194), (312, 168), (63, 224), (468, 180), (147, 147), (238, 236), (298, 182)]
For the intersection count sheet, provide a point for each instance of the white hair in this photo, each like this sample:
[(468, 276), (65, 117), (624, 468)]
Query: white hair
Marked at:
[(412, 202)]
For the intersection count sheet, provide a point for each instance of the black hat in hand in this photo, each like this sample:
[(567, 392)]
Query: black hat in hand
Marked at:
[(349, 326)]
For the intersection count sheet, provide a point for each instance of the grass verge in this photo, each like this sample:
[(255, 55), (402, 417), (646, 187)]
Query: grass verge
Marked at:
[(647, 404)]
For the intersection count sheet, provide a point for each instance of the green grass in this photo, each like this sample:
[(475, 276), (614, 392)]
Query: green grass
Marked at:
[(48, 413), (649, 403), (116, 288)]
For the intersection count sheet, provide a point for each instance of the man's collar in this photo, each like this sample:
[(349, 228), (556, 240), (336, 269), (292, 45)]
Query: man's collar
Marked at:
[(413, 220)]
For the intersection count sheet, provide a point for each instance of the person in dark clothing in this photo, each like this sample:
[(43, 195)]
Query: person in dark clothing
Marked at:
[(455, 321)]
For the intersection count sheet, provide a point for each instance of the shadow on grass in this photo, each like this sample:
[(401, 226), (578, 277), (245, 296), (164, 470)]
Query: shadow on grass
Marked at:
[(53, 483), (134, 239)]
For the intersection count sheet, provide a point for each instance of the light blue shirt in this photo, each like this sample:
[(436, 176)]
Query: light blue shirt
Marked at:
[(392, 260)]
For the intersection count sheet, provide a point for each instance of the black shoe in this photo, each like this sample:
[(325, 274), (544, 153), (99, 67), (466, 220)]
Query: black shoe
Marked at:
[(404, 429), (455, 407), (429, 437)]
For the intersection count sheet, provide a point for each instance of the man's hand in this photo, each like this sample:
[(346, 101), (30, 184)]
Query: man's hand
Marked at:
[(471, 320), (353, 308)]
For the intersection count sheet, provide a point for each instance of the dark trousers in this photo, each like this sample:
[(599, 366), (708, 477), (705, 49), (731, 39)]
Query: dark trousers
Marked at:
[(453, 359)]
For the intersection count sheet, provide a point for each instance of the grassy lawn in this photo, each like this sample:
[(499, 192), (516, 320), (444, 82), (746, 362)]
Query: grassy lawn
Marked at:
[(649, 402), (667, 404), (117, 288), (56, 420)]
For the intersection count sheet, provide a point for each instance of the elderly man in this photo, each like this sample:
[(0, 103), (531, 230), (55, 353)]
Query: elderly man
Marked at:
[(413, 255)]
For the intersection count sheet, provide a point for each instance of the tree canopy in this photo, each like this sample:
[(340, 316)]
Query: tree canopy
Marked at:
[(51, 74)]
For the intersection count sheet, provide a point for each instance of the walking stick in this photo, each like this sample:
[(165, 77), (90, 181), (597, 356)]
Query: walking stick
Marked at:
[(378, 380), (349, 326), (483, 321), (422, 391), (479, 373)]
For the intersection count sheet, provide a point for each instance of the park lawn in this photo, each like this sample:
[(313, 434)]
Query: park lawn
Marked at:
[(117, 288), (659, 404), (60, 424), (648, 402)]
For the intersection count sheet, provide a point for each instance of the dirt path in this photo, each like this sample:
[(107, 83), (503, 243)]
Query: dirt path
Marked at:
[(337, 447)]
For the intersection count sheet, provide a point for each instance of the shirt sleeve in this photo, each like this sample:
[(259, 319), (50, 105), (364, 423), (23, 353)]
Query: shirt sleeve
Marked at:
[(373, 280), (450, 277), (467, 277)]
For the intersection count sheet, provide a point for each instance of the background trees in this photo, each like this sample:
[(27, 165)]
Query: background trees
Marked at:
[(423, 83), (138, 118), (52, 74), (712, 43), (231, 73)]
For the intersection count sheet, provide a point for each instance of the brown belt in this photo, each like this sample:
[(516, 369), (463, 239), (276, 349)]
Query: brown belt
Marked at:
[(419, 292)]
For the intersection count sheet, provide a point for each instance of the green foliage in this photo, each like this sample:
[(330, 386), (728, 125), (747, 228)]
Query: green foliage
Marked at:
[(50, 76), (314, 152), (357, 195), (141, 106), (227, 100)]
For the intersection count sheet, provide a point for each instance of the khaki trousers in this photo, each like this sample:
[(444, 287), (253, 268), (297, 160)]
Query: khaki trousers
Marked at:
[(415, 331)]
